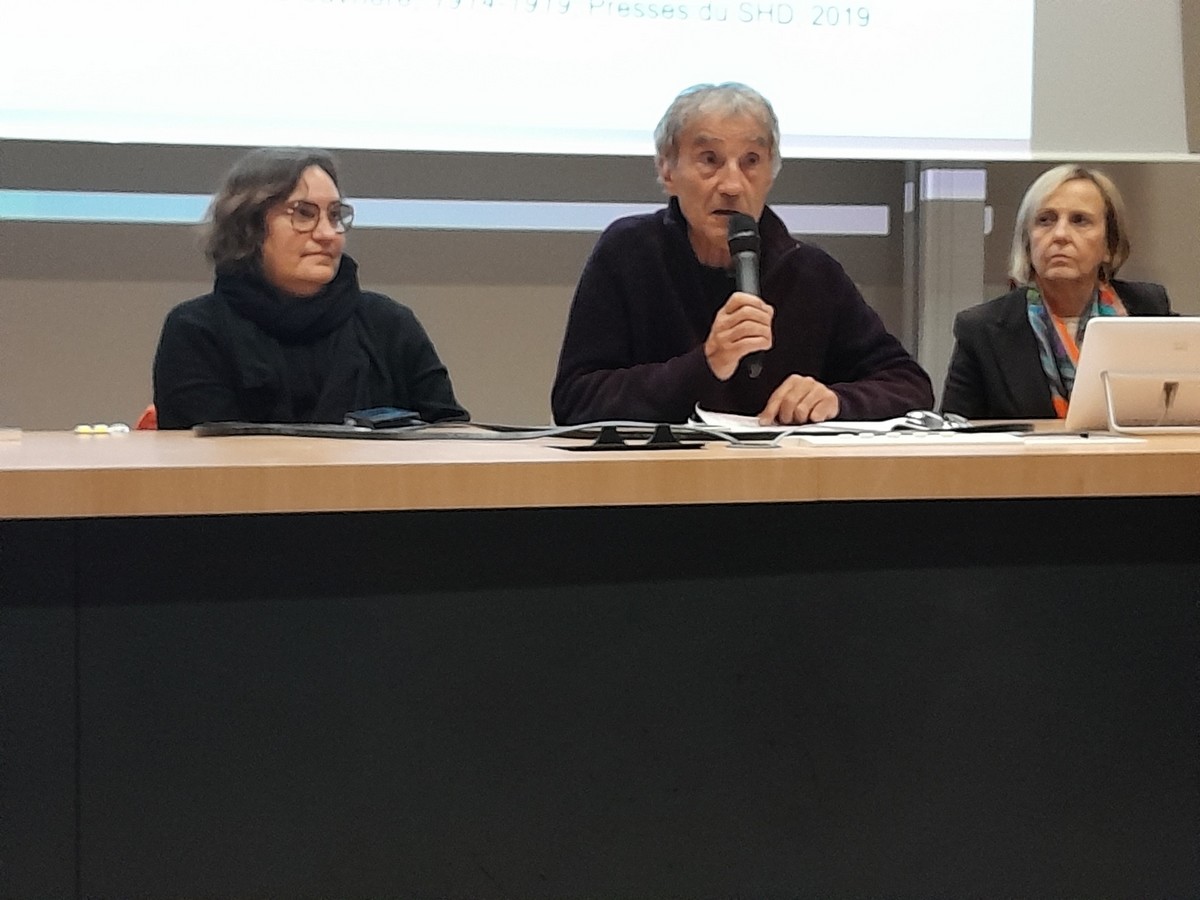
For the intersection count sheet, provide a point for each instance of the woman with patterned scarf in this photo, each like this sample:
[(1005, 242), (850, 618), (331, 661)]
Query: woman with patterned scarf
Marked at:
[(1014, 357)]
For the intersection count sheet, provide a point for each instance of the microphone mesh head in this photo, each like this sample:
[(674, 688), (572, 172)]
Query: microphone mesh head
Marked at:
[(743, 234)]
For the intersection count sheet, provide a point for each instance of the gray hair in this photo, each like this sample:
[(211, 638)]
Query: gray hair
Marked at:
[(1116, 231), (237, 217), (728, 99)]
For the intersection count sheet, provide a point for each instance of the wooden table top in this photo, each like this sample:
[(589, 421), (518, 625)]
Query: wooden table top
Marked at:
[(62, 474)]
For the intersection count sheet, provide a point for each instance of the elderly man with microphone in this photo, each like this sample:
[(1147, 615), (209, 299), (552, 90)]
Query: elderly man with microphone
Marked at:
[(710, 301)]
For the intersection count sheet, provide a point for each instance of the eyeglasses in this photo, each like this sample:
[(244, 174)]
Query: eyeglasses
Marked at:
[(305, 215)]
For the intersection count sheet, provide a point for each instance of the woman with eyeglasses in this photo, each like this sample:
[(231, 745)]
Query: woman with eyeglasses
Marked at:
[(287, 335)]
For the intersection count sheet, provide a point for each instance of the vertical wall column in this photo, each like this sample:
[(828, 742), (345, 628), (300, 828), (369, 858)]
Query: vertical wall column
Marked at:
[(943, 258), (1189, 28)]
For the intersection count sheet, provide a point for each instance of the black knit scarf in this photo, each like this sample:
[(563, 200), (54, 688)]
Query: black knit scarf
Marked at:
[(266, 320), (294, 320)]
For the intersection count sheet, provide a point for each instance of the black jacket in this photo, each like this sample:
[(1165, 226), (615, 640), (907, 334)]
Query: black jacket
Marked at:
[(245, 353), (996, 371)]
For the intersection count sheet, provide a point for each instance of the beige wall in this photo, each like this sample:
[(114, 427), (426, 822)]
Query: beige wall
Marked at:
[(81, 305)]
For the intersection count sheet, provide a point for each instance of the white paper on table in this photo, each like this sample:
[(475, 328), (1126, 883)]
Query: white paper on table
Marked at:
[(946, 438), (900, 430), (735, 424)]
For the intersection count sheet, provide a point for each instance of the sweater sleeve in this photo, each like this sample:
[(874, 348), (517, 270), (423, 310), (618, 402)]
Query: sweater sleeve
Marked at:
[(869, 369), (191, 381), (612, 366)]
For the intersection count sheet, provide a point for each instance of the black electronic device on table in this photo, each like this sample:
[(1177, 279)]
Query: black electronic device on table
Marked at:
[(383, 417)]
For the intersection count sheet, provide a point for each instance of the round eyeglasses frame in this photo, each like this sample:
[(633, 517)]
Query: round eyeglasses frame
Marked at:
[(304, 215)]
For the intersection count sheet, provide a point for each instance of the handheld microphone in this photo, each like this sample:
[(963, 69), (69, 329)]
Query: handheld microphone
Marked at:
[(743, 247)]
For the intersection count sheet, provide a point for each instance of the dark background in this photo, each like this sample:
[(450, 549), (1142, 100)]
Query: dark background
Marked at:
[(913, 699)]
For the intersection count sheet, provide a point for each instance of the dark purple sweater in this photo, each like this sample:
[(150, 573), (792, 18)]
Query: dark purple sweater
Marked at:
[(634, 343)]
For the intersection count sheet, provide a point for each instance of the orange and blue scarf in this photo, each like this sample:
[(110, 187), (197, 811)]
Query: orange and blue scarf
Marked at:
[(1058, 348)]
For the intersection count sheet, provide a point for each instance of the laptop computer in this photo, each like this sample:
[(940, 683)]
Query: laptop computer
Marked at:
[(1138, 374)]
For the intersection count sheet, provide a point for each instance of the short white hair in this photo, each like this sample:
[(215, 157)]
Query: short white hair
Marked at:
[(731, 98)]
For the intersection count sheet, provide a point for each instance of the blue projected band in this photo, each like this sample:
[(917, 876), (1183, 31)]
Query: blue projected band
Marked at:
[(449, 215)]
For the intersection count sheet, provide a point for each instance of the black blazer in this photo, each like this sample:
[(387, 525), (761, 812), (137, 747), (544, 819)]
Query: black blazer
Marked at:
[(995, 370)]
